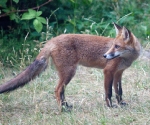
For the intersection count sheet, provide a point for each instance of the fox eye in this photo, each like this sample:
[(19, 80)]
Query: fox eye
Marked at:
[(117, 46)]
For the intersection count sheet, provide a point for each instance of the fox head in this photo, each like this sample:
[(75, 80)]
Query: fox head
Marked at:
[(123, 45)]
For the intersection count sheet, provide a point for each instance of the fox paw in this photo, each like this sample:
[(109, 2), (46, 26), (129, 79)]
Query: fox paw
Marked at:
[(66, 107), (123, 103)]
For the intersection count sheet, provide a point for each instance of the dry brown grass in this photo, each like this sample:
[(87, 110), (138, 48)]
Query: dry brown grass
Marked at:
[(35, 103)]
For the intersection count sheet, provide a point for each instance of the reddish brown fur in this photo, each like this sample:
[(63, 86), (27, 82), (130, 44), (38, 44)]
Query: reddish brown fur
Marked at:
[(69, 50)]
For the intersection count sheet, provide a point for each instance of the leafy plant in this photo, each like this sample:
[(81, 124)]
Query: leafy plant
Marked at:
[(11, 8), (38, 21), (43, 21)]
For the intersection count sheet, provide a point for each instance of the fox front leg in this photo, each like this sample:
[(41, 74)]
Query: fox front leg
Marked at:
[(108, 80), (118, 87)]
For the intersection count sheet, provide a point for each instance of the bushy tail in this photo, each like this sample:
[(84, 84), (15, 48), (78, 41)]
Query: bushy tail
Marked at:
[(27, 75)]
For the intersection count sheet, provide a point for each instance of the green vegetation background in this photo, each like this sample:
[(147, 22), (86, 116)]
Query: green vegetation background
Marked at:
[(20, 42)]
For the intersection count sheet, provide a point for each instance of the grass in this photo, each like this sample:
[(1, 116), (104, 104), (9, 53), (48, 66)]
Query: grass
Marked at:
[(35, 103)]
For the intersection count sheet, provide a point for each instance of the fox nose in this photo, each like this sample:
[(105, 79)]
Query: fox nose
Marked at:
[(104, 55)]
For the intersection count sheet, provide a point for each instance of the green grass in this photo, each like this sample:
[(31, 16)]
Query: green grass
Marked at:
[(35, 103)]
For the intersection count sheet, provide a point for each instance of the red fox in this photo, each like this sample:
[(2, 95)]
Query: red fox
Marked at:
[(113, 55)]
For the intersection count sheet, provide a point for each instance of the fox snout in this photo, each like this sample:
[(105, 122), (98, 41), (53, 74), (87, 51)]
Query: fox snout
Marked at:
[(111, 55), (105, 55)]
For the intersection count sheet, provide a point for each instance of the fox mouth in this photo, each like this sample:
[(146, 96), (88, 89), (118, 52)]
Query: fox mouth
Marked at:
[(111, 56)]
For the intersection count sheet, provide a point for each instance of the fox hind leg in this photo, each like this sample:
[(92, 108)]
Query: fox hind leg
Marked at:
[(65, 75)]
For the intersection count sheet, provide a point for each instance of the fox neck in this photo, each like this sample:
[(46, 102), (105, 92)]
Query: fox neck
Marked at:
[(128, 60)]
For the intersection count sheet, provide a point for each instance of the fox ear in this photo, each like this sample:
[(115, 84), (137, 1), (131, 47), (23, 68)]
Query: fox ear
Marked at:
[(126, 34), (117, 28)]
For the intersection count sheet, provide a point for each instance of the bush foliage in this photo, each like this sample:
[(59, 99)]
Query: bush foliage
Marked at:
[(26, 24)]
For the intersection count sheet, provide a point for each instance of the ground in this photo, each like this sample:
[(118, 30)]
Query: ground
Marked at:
[(35, 103)]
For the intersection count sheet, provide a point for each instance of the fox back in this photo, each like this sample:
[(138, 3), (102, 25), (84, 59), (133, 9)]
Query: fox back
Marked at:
[(83, 49)]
